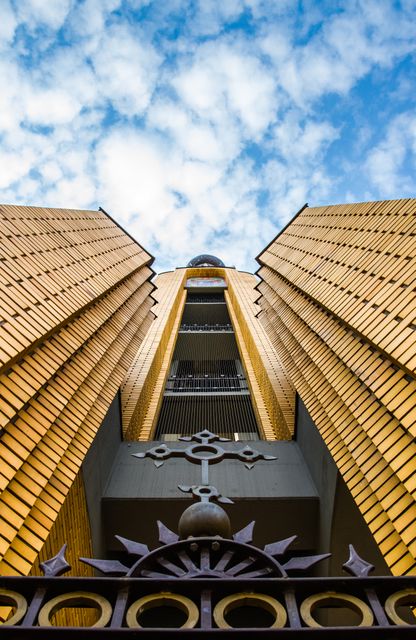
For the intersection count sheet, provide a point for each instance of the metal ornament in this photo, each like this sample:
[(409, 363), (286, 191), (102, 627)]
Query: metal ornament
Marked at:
[(206, 572), (356, 566), (57, 565), (204, 453)]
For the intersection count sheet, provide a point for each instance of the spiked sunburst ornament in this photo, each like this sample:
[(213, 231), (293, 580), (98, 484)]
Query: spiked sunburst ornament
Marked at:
[(207, 556)]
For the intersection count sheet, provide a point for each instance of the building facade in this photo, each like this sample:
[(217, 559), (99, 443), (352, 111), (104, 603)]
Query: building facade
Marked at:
[(310, 363), (338, 303), (76, 304)]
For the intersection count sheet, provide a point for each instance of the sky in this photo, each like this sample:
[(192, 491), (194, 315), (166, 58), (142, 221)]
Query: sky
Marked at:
[(202, 126)]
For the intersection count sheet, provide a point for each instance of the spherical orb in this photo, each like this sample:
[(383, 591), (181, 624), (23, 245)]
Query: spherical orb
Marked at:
[(205, 260), (204, 519)]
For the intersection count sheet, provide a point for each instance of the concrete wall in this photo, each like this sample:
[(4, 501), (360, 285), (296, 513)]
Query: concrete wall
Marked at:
[(96, 469), (340, 521), (279, 494)]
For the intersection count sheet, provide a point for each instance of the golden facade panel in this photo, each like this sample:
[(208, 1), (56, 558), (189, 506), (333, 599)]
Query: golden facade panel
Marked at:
[(275, 391), (75, 307), (143, 385), (338, 303)]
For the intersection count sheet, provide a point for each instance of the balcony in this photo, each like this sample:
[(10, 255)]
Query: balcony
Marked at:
[(206, 384), (198, 328)]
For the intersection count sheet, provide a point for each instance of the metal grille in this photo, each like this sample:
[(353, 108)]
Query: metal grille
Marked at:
[(208, 346), (199, 313), (212, 368), (206, 384), (230, 416)]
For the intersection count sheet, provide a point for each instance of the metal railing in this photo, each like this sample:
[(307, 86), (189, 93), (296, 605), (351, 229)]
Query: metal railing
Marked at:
[(207, 299), (187, 327), (206, 384), (290, 601)]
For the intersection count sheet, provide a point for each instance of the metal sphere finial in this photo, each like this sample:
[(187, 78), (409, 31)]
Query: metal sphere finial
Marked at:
[(204, 519)]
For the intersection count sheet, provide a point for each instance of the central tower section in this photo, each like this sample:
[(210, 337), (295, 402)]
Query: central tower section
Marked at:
[(206, 362), (207, 386)]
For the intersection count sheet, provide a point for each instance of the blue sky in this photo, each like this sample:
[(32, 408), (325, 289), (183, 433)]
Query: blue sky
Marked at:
[(204, 125)]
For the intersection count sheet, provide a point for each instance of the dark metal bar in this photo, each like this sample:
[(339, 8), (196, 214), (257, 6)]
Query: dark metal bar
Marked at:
[(120, 608), (206, 609), (377, 608), (34, 607), (292, 609)]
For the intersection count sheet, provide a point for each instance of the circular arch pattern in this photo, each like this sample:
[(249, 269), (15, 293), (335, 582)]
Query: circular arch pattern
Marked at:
[(206, 557), (75, 599), (13, 599), (163, 600), (333, 597), (259, 600), (406, 596)]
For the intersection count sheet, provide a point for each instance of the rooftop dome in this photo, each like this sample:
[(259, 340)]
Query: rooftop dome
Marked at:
[(205, 260)]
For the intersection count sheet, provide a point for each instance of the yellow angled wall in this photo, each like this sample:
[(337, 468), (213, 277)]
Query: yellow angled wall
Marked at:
[(75, 306), (142, 389), (339, 307)]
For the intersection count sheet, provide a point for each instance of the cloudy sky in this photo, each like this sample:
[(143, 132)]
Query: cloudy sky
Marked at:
[(204, 125)]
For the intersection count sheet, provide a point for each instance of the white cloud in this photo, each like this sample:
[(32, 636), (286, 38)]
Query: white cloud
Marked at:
[(50, 107), (132, 169), (224, 80), (210, 15), (174, 203), (8, 23), (289, 187), (80, 190), (199, 139), (52, 13), (297, 140), (68, 70), (14, 166), (91, 16), (51, 171), (344, 48), (10, 103), (126, 68), (195, 178), (391, 164)]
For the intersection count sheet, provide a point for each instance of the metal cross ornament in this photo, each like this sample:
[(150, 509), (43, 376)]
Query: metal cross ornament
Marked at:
[(204, 453)]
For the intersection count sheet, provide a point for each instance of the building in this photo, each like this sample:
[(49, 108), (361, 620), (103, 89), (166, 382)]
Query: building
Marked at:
[(311, 365)]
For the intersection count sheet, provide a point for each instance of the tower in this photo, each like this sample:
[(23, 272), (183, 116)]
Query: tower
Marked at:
[(76, 304), (206, 362)]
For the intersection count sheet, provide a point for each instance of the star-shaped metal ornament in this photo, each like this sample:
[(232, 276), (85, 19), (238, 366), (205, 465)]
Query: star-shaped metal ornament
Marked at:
[(57, 565), (356, 565)]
